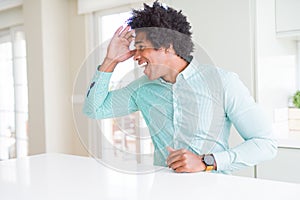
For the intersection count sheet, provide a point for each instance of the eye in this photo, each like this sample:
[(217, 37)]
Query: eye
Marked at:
[(140, 47)]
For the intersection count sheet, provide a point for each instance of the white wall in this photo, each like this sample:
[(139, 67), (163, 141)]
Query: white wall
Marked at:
[(77, 54), (36, 110), (11, 17), (57, 82), (55, 38), (276, 61), (223, 28)]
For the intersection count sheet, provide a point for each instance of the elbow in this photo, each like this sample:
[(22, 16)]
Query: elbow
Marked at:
[(272, 150), (94, 112), (91, 113)]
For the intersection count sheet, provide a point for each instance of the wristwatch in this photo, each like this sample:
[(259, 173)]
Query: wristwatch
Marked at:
[(209, 161)]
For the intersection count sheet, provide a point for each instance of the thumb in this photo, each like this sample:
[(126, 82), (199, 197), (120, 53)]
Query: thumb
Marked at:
[(132, 52), (170, 149)]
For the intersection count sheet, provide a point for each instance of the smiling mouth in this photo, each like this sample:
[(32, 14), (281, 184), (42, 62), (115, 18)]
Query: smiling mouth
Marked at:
[(144, 64)]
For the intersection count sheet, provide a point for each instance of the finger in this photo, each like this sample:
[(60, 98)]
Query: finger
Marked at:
[(174, 159), (123, 33), (118, 31), (177, 152), (177, 164), (127, 55), (129, 34), (130, 39), (181, 170), (132, 52)]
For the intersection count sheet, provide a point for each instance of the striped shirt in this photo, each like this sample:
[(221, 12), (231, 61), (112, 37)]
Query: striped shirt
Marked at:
[(195, 113)]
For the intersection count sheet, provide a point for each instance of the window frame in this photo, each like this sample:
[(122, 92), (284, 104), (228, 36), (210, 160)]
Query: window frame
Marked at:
[(20, 148)]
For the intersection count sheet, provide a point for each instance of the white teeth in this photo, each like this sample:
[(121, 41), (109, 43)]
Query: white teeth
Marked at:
[(144, 64)]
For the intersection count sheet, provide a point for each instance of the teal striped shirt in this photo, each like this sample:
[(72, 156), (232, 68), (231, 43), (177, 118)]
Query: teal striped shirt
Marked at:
[(195, 113)]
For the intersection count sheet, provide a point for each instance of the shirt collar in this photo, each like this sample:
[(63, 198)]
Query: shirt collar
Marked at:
[(164, 82), (191, 69)]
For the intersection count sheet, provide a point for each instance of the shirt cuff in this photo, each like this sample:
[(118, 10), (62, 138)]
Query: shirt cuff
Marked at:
[(223, 160), (100, 80), (101, 75)]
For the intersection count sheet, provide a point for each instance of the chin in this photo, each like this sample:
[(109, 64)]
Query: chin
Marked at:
[(151, 79)]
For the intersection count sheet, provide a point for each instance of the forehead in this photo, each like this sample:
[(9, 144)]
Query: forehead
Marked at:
[(141, 37)]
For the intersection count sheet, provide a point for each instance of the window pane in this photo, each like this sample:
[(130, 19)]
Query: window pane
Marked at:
[(21, 92), (7, 120), (13, 95)]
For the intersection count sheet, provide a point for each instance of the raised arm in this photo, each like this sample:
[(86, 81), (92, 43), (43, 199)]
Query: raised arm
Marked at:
[(99, 102)]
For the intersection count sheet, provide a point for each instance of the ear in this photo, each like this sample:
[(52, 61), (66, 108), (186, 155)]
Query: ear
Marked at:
[(170, 49), (162, 49)]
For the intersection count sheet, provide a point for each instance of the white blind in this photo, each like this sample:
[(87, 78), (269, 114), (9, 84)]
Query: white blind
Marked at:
[(88, 6)]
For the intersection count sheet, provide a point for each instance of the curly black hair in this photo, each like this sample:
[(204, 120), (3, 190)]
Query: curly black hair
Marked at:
[(164, 26)]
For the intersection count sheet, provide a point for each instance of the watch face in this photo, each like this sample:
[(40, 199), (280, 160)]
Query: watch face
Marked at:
[(209, 160)]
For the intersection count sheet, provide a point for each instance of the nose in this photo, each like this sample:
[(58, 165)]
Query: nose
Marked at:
[(136, 56)]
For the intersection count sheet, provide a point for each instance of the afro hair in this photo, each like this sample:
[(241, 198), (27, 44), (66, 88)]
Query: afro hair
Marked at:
[(164, 26)]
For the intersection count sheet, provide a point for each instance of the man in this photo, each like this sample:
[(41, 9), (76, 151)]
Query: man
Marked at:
[(189, 108)]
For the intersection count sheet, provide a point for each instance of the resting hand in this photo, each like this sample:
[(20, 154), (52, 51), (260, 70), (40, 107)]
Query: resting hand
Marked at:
[(183, 160)]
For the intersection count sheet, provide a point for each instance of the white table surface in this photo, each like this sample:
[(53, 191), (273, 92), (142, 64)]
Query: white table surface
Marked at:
[(60, 176)]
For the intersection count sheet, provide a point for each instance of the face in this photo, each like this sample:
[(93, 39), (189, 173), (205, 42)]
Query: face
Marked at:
[(154, 61)]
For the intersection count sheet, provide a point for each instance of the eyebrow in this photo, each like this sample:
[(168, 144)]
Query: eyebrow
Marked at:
[(137, 42)]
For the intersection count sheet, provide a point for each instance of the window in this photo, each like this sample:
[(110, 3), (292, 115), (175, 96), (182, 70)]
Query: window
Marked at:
[(13, 93), (128, 136)]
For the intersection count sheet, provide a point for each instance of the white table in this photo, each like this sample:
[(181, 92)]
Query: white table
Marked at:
[(59, 176)]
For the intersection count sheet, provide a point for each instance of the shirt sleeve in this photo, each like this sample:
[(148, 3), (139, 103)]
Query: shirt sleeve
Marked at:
[(252, 124), (100, 103)]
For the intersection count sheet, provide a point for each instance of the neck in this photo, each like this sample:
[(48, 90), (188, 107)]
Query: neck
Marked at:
[(176, 65)]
